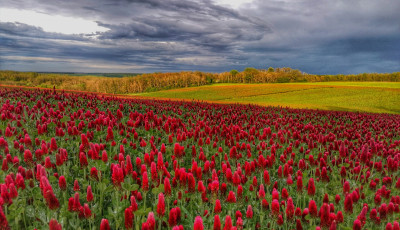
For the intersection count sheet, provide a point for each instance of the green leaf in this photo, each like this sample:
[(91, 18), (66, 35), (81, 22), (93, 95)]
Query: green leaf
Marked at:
[(30, 212), (130, 187), (125, 186), (102, 186), (109, 188), (189, 215), (142, 211), (41, 215), (75, 168), (100, 165), (134, 187), (65, 119), (51, 127), (157, 190), (36, 192), (20, 210), (106, 181), (112, 211), (12, 207), (52, 179)]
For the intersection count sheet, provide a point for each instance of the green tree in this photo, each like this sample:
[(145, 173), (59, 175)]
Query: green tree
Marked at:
[(233, 75), (234, 72), (249, 74)]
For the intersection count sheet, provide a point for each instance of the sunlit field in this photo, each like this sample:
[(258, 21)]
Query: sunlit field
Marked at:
[(377, 97)]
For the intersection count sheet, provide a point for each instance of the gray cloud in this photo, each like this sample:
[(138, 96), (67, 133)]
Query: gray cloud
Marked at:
[(171, 35)]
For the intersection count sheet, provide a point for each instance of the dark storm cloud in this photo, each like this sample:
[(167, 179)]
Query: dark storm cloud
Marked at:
[(330, 36), (171, 35), (24, 30), (165, 35)]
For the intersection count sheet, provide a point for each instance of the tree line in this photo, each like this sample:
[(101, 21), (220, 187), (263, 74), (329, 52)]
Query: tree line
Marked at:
[(160, 81)]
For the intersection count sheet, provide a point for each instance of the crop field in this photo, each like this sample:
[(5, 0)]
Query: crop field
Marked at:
[(87, 161), (376, 97)]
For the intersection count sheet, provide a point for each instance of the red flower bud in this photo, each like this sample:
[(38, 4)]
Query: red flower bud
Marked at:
[(312, 208), (217, 223), (357, 225), (289, 209), (28, 158), (76, 186), (261, 192), (231, 197), (325, 212), (54, 225), (348, 204), (76, 203), (311, 187), (249, 212), (167, 187), (86, 211), (94, 173), (275, 207), (145, 182), (217, 208), (129, 216), (198, 223), (62, 183), (228, 223), (89, 196), (104, 225), (161, 205)]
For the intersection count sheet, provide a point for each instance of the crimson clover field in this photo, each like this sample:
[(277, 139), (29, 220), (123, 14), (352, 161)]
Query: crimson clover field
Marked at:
[(84, 161)]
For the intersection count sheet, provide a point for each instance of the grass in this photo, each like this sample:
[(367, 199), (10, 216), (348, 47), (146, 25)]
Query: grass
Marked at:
[(375, 97)]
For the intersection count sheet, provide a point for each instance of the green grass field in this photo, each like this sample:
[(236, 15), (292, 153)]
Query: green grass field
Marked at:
[(376, 97)]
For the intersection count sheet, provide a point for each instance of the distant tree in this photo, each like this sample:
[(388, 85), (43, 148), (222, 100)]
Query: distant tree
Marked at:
[(270, 70), (249, 74), (234, 72), (233, 75), (210, 78)]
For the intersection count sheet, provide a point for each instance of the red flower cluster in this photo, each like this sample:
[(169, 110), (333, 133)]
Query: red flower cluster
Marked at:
[(248, 167)]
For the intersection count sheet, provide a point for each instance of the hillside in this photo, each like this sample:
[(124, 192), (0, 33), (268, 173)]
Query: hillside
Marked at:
[(151, 82), (377, 97)]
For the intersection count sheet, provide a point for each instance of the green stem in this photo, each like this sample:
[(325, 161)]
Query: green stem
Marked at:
[(16, 222), (26, 227), (48, 214), (101, 202), (144, 199), (84, 173), (159, 224), (137, 224), (118, 208), (168, 204), (76, 218)]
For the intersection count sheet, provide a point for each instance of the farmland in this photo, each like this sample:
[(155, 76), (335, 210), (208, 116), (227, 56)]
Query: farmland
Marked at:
[(128, 84), (377, 97), (87, 161)]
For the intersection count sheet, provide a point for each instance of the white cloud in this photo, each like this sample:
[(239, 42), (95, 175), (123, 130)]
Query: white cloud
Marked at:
[(232, 3), (78, 62), (201, 60), (51, 23)]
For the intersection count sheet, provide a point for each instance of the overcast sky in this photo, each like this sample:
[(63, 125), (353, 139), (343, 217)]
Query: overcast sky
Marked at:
[(315, 36)]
